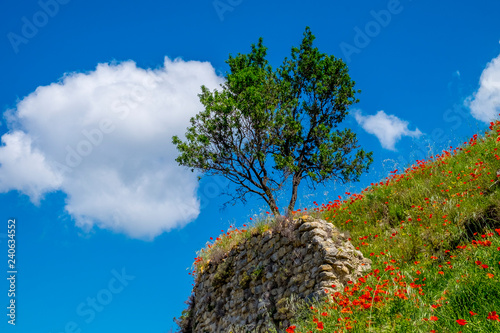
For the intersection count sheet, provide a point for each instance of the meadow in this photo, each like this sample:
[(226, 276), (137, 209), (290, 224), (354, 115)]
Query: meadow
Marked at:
[(433, 234)]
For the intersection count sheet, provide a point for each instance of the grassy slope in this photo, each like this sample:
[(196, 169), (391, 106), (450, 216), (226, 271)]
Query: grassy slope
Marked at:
[(430, 232)]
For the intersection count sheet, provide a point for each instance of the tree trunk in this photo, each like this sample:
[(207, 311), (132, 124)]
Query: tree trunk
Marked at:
[(295, 184), (272, 202)]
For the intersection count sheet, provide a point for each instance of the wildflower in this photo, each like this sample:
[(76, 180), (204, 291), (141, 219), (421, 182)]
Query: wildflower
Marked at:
[(472, 313), (433, 318), (461, 322), (291, 329), (320, 326), (493, 316)]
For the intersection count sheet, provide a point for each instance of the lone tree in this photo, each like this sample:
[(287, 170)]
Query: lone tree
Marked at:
[(265, 127)]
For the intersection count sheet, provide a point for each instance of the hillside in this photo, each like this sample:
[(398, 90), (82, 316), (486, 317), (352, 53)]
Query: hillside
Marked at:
[(432, 232)]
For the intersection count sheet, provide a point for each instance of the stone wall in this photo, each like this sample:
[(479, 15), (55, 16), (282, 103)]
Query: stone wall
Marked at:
[(252, 288)]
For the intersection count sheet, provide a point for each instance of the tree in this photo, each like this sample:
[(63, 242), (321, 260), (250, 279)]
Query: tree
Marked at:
[(266, 126)]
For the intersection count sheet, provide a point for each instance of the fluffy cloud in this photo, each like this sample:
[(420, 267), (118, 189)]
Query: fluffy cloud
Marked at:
[(485, 103), (104, 138), (387, 128)]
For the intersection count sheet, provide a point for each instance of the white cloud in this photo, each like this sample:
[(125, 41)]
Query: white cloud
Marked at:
[(24, 168), (387, 128), (104, 138), (485, 103)]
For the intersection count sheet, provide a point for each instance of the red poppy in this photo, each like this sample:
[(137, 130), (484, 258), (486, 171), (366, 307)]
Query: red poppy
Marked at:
[(461, 322), (493, 316)]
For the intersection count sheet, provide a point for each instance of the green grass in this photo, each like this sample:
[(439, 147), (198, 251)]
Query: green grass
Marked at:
[(430, 232)]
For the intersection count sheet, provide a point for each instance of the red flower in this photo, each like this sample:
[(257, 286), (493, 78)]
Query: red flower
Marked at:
[(291, 329), (461, 322), (493, 316), (433, 318), (472, 313), (320, 326)]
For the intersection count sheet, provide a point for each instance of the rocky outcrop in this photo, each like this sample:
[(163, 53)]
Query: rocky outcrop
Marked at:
[(253, 288)]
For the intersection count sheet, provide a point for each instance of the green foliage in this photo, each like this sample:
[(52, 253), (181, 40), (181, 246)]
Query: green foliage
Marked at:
[(245, 280), (433, 234), (224, 271), (257, 273), (266, 125)]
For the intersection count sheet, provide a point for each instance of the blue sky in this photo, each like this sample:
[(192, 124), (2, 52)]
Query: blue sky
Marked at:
[(92, 92)]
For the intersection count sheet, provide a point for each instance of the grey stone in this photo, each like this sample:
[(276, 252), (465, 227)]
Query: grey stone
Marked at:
[(269, 267)]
